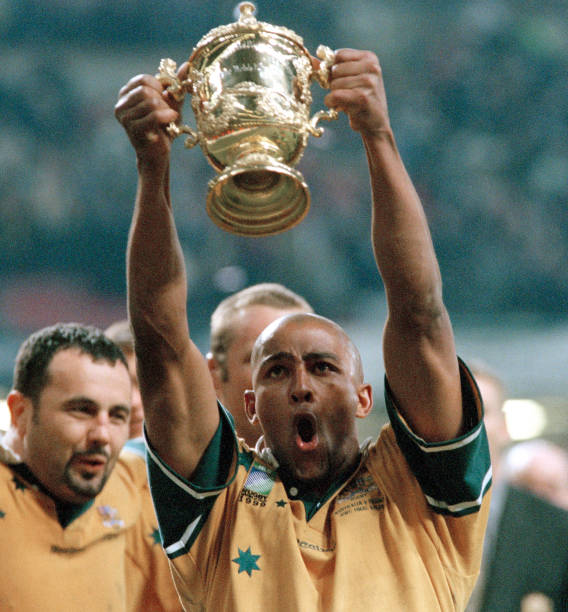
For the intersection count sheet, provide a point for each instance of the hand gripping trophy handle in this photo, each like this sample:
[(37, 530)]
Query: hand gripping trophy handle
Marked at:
[(322, 77), (167, 75)]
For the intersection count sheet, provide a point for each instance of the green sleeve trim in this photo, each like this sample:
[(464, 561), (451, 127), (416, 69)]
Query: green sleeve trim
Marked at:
[(183, 507), (455, 474), (213, 468)]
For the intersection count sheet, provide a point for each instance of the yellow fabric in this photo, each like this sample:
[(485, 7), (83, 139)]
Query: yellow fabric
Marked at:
[(103, 561), (149, 583), (46, 568), (375, 545)]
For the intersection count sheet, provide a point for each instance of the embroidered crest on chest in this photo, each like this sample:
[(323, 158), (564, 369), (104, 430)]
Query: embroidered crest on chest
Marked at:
[(110, 517), (258, 485), (362, 493)]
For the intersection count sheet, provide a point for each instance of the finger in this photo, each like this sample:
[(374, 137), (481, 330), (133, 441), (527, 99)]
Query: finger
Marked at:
[(141, 80), (151, 111), (350, 55), (146, 129), (346, 99), (363, 65), (366, 82)]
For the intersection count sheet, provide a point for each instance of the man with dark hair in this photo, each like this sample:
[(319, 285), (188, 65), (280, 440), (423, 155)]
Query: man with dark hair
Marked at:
[(36, 353), (309, 520), (54, 359), (69, 507), (235, 325)]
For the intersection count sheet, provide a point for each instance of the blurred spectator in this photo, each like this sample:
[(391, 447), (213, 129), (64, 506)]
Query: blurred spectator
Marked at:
[(541, 467), (235, 325), (120, 333), (525, 557)]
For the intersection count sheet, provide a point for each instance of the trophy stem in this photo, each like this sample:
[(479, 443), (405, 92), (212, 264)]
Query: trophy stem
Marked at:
[(258, 196)]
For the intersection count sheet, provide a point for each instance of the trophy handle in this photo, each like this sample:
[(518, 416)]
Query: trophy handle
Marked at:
[(167, 75), (322, 74), (322, 77), (330, 115)]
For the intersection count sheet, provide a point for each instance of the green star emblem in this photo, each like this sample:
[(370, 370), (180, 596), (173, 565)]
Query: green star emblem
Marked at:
[(2, 514), (20, 486), (247, 561), (281, 503), (156, 537)]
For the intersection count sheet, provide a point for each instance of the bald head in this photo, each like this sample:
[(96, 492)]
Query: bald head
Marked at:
[(303, 320)]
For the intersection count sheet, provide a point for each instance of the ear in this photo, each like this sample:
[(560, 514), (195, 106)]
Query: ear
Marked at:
[(21, 409), (365, 404), (250, 406), (215, 371)]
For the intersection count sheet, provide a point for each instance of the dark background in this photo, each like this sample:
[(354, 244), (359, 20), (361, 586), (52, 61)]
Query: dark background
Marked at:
[(478, 101)]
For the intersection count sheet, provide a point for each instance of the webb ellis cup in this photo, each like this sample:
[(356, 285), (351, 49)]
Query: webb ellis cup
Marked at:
[(250, 92)]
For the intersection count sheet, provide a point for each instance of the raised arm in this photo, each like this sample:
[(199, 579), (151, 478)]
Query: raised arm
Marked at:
[(180, 407), (418, 345)]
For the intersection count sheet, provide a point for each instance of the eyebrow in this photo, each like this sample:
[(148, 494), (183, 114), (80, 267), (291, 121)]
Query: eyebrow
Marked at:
[(313, 356), (122, 407), (74, 401)]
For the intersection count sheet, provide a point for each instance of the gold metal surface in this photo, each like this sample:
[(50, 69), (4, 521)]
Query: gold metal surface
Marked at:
[(250, 93)]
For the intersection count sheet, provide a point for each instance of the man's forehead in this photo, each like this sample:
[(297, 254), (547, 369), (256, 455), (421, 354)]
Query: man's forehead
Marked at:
[(257, 317), (300, 335), (73, 367)]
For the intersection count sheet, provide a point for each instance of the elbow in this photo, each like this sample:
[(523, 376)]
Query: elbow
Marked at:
[(422, 314)]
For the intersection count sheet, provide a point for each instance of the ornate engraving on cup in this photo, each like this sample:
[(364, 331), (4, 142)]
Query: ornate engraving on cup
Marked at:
[(250, 94)]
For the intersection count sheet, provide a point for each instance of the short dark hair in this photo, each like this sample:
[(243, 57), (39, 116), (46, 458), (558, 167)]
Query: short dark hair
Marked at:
[(36, 353)]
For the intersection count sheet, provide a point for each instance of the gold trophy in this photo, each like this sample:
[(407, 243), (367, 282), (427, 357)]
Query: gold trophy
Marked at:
[(250, 92)]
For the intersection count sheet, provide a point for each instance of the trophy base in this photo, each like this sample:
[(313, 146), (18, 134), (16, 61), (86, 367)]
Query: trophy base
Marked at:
[(259, 197)]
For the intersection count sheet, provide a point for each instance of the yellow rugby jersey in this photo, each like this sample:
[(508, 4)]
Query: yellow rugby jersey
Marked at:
[(403, 533), (108, 557), (46, 567)]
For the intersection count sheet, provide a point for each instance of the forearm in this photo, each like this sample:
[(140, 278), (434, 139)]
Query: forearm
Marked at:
[(180, 408), (419, 350), (157, 285), (400, 236)]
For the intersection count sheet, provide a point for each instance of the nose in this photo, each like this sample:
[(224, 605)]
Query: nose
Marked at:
[(300, 391), (99, 432)]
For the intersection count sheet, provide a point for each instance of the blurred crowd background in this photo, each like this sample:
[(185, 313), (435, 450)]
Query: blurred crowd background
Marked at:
[(478, 101)]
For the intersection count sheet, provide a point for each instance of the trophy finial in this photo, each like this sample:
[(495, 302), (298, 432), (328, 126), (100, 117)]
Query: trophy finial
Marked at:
[(247, 11)]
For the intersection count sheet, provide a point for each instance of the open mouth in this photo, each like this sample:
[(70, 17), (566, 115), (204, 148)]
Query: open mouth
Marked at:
[(89, 462), (306, 432)]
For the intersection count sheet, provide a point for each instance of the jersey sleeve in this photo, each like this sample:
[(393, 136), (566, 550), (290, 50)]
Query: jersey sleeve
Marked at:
[(182, 507), (454, 475)]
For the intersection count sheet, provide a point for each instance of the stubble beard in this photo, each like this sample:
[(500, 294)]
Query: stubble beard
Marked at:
[(85, 485)]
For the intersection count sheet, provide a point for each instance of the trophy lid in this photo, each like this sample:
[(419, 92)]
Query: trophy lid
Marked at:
[(246, 24)]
